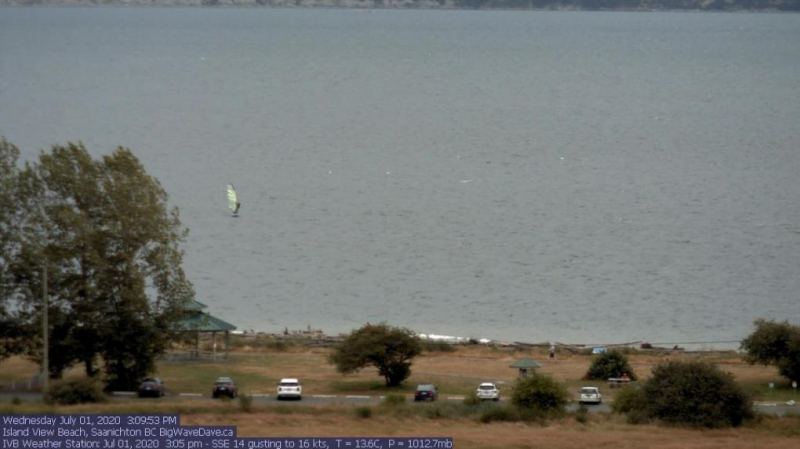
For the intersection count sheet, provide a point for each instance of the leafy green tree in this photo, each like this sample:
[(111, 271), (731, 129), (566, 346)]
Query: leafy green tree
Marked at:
[(12, 333), (610, 364), (112, 253), (695, 394), (539, 394), (774, 343), (389, 349), (9, 174)]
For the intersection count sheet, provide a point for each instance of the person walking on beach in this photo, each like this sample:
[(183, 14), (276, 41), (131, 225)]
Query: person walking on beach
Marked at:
[(552, 351)]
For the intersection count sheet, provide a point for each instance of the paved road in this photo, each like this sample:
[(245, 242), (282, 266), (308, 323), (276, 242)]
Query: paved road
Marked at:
[(768, 408)]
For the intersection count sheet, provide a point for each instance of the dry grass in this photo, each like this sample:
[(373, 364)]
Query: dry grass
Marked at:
[(455, 372)]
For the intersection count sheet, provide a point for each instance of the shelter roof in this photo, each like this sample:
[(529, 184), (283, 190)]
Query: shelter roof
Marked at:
[(194, 306), (203, 322), (526, 364)]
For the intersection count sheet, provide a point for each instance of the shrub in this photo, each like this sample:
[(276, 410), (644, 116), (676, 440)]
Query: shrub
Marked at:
[(471, 399), (631, 402), (246, 403), (499, 413), (446, 409), (610, 364), (363, 412), (16, 400), (394, 400), (75, 392), (539, 394), (693, 393), (628, 398), (582, 414)]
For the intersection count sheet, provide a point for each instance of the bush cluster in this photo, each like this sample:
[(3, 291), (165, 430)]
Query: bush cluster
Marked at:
[(688, 393), (611, 364), (77, 391), (539, 395)]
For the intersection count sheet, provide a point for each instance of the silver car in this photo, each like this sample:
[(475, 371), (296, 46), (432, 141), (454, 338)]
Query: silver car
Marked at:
[(590, 395), (488, 390)]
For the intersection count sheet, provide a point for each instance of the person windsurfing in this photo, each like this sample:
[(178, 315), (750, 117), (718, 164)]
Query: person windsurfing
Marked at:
[(233, 201)]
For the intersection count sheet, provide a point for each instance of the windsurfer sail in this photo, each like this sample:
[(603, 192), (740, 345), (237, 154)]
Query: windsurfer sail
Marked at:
[(233, 201)]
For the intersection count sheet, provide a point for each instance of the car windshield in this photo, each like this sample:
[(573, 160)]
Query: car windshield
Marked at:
[(425, 388), (588, 391), (289, 384), (150, 380), (486, 387)]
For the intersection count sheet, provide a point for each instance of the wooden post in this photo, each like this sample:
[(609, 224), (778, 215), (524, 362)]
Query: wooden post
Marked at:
[(227, 342)]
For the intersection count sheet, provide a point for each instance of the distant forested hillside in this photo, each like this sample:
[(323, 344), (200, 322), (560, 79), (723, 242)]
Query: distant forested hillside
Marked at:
[(629, 5)]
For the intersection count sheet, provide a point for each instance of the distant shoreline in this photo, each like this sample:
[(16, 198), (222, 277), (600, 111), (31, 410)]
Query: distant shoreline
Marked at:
[(319, 338), (513, 5)]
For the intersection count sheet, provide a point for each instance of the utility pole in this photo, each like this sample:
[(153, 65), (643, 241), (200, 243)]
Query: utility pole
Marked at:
[(45, 342)]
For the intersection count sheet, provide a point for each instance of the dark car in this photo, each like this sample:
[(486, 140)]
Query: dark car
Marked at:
[(224, 386), (151, 387), (426, 392)]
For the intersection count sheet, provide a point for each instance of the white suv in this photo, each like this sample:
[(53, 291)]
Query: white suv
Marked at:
[(290, 388), (488, 390), (590, 395)]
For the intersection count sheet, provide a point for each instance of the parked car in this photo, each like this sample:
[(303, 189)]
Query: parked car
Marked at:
[(488, 390), (152, 387), (590, 395), (290, 388), (426, 392), (224, 386)]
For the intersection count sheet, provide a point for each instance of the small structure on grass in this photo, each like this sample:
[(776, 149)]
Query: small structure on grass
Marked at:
[(196, 321), (524, 366)]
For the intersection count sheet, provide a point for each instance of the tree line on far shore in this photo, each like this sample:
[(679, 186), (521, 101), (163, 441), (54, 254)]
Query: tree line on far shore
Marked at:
[(627, 5), (591, 5)]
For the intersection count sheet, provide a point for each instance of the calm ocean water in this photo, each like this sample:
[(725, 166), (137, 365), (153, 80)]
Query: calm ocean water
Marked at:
[(571, 176)]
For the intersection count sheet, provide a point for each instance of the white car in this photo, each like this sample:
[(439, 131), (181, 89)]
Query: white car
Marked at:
[(590, 395), (290, 388), (488, 390)]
